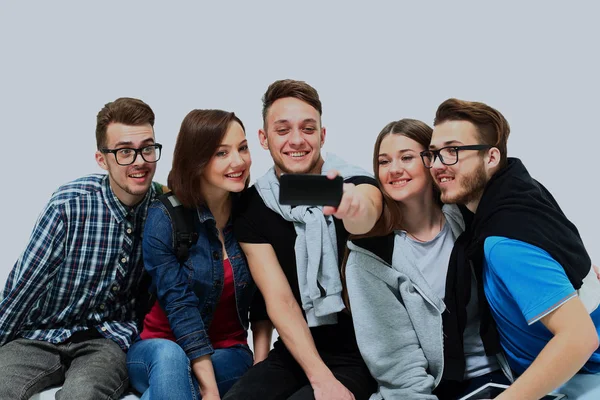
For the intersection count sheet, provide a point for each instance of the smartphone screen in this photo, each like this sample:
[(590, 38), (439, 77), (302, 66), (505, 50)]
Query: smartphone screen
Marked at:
[(310, 190)]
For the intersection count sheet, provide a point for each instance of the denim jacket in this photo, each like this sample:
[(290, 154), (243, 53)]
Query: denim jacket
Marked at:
[(189, 292)]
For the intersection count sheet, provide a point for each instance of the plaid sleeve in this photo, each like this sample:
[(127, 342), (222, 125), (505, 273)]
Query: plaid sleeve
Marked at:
[(37, 265)]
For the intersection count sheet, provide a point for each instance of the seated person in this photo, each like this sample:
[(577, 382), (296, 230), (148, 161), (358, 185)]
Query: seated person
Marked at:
[(67, 313)]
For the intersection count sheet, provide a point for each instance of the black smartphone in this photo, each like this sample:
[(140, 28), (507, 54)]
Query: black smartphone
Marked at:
[(310, 190)]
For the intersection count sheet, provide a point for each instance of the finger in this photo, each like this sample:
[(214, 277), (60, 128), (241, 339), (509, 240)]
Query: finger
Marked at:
[(332, 173), (329, 210), (342, 208)]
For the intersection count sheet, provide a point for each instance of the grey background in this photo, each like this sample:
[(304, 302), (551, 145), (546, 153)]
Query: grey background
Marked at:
[(61, 61)]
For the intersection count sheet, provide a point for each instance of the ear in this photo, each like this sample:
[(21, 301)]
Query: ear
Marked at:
[(262, 137), (323, 133), (492, 159), (101, 160)]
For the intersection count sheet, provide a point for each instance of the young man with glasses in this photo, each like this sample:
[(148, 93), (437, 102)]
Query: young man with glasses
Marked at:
[(67, 313), (541, 292)]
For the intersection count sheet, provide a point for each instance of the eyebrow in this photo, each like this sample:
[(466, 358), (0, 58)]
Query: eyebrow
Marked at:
[(285, 121), (399, 151), (228, 145), (129, 142), (446, 143)]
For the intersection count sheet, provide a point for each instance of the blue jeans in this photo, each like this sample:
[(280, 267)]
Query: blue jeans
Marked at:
[(160, 369), (581, 387)]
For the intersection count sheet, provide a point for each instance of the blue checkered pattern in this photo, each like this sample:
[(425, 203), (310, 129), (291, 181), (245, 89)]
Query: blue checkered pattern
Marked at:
[(80, 268)]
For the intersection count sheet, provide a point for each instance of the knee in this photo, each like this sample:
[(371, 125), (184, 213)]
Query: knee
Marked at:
[(170, 353)]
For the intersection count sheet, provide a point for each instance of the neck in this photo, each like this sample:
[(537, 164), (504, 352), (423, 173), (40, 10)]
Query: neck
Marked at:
[(421, 217), (219, 204), (316, 170), (473, 204), (129, 200)]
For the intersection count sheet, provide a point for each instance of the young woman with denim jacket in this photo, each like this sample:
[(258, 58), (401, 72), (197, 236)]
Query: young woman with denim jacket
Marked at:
[(193, 344), (396, 282)]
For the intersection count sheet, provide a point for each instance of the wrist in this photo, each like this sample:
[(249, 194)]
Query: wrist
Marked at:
[(319, 375)]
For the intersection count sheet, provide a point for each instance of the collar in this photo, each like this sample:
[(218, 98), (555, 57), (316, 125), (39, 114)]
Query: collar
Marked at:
[(118, 209)]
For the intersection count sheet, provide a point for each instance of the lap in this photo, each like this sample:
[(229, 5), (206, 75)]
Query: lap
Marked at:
[(28, 367), (582, 387), (279, 376), (97, 369)]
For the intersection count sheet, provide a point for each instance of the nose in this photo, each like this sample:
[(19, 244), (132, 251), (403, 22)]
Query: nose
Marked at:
[(437, 163), (296, 138), (139, 160), (237, 160), (397, 167)]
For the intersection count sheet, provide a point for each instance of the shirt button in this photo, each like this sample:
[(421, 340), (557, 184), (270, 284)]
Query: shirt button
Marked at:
[(102, 306), (129, 231), (123, 260), (103, 329), (216, 255), (115, 288)]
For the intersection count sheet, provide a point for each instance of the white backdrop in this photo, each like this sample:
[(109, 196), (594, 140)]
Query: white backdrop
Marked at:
[(61, 61)]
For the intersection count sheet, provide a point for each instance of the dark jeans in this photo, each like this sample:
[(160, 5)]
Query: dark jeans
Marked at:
[(88, 368), (450, 390), (279, 377)]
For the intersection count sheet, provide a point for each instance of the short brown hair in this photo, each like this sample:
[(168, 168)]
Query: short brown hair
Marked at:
[(421, 133), (201, 133), (492, 127), (124, 110), (290, 88)]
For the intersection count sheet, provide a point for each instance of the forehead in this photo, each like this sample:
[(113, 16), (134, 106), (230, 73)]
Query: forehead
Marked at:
[(394, 143), (119, 133), (234, 135), (292, 110), (453, 131)]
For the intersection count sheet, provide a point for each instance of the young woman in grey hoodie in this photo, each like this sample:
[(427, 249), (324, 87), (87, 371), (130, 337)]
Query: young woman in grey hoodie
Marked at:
[(396, 280)]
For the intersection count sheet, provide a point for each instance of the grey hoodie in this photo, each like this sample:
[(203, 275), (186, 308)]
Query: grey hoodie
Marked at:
[(398, 321)]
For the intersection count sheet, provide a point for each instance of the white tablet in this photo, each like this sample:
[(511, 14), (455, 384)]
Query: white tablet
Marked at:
[(491, 390)]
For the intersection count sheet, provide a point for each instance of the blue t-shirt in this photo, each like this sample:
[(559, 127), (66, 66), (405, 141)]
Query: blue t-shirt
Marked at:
[(522, 284)]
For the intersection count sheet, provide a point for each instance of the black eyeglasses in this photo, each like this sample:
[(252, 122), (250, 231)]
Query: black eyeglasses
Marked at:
[(127, 156), (448, 155)]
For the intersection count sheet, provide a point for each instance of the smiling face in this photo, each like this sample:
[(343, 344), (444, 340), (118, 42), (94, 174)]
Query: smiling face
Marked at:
[(293, 136), (130, 183), (400, 171), (229, 169), (463, 182)]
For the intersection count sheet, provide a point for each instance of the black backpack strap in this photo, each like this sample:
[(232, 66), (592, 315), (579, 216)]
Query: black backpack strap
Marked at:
[(183, 225)]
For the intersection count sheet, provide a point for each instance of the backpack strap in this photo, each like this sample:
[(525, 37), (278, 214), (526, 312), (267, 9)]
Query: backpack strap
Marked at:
[(183, 222)]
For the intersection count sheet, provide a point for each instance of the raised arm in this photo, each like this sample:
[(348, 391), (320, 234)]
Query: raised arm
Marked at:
[(360, 207), (286, 315)]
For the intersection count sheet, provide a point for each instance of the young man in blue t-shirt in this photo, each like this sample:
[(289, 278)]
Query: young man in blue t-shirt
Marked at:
[(529, 260)]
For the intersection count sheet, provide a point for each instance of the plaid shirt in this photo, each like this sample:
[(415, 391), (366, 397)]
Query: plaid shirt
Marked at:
[(81, 268)]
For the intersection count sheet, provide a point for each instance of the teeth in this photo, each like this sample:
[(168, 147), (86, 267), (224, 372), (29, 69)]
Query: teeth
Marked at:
[(401, 182), (298, 153), (140, 175), (237, 175), (445, 180)]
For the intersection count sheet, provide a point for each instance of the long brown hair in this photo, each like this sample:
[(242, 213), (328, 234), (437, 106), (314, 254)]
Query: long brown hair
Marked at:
[(201, 133), (391, 215), (421, 133)]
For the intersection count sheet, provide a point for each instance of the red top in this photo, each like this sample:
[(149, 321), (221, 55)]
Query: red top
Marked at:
[(225, 329)]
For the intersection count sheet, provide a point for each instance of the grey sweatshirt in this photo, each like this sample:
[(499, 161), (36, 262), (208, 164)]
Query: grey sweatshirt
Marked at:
[(398, 321)]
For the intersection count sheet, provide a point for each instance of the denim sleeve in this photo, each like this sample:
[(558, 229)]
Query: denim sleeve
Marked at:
[(172, 282), (28, 280)]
